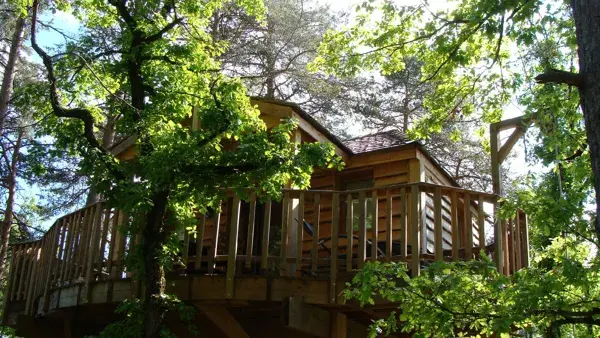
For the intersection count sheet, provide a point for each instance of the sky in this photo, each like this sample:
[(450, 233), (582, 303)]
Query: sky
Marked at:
[(69, 25)]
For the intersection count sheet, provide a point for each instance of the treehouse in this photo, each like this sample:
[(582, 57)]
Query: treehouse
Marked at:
[(273, 268)]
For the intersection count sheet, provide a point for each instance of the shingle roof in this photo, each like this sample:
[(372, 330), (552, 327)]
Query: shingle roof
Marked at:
[(372, 142)]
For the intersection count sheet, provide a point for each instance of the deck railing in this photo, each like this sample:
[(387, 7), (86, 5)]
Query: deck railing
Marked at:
[(308, 233)]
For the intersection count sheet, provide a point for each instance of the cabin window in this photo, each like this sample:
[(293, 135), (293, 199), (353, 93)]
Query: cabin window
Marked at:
[(361, 184)]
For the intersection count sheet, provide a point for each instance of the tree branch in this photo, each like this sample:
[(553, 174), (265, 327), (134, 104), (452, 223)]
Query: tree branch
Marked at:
[(79, 113), (560, 77)]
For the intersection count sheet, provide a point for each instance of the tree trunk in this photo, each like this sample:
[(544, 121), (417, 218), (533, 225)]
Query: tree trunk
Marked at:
[(154, 274), (9, 70), (108, 138), (586, 14), (10, 201)]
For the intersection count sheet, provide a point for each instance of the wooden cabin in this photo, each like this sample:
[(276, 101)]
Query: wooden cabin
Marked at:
[(271, 268)]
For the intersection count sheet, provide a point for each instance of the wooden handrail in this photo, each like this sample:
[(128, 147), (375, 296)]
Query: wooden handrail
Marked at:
[(415, 223)]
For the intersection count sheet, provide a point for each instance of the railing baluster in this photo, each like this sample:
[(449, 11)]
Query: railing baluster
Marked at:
[(215, 242), (375, 225), (10, 281), (389, 221), (437, 224), (362, 232), (199, 241), (24, 269), (31, 276), (67, 261), (87, 242), (264, 249), (232, 248), (103, 241), (403, 225), (17, 276), (61, 227), (454, 225), (481, 224), (95, 224), (186, 247), (121, 244), (250, 234), (299, 232), (518, 246), (525, 240), (468, 227), (349, 230), (415, 263), (284, 227), (504, 236), (52, 260), (315, 237), (111, 245), (335, 227)]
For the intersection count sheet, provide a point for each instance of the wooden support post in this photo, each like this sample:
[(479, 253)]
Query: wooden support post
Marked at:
[(415, 262), (349, 230), (497, 189), (362, 230), (335, 227), (264, 259), (437, 224), (375, 224), (250, 234), (232, 248), (103, 241), (338, 325), (60, 259), (305, 318), (504, 249), (53, 262), (18, 251), (315, 237)]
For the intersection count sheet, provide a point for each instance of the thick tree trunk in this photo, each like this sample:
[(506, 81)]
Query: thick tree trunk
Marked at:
[(154, 237), (586, 14), (9, 70), (10, 201)]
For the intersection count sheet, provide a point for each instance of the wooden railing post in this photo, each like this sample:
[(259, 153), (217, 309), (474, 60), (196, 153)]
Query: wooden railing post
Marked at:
[(335, 227), (389, 222), (232, 248), (454, 225), (250, 234), (199, 242), (362, 230), (468, 227), (437, 224), (349, 230), (9, 284), (525, 254), (481, 224), (315, 238), (95, 224), (415, 263), (375, 225), (299, 218), (403, 225), (264, 259), (284, 237)]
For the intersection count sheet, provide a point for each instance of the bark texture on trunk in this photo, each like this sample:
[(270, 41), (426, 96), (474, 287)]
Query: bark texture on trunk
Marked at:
[(108, 138), (10, 201), (154, 237), (9, 70), (586, 14)]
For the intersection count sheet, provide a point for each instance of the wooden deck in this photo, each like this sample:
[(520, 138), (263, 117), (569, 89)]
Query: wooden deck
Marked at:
[(259, 250)]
